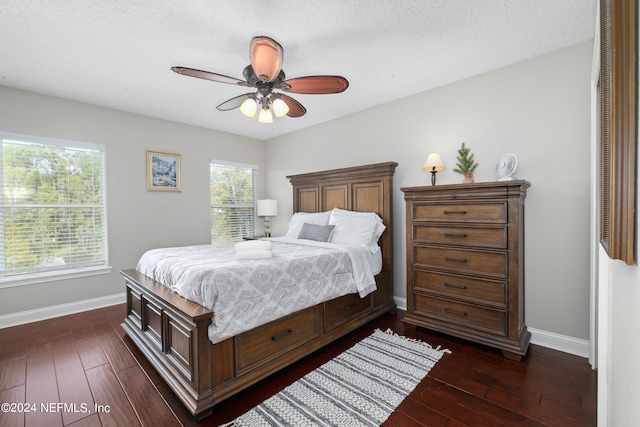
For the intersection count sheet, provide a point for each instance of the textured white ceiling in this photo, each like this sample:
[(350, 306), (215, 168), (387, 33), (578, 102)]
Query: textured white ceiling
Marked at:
[(118, 53)]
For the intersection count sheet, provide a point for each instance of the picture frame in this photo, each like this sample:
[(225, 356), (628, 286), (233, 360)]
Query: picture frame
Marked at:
[(163, 171)]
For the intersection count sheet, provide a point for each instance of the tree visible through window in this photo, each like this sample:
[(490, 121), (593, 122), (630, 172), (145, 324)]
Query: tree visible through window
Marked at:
[(52, 212), (233, 201)]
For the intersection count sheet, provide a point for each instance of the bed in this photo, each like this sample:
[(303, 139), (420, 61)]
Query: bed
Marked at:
[(174, 332)]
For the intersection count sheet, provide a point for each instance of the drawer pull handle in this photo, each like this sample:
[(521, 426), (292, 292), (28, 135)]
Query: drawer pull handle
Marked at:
[(457, 313), (279, 337), (449, 285), (455, 235), (455, 259), (349, 307), (455, 212)]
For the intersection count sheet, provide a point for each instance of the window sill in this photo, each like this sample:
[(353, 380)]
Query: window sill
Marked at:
[(31, 279)]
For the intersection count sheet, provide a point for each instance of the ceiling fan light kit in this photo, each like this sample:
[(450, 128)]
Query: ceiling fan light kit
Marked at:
[(265, 74)]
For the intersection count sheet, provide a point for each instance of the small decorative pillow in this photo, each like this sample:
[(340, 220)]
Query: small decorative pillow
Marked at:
[(320, 233)]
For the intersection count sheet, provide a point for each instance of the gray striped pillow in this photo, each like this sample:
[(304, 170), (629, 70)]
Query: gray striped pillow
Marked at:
[(320, 233)]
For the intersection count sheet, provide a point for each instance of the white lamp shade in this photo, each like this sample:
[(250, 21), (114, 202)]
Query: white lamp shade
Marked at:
[(267, 207), (433, 161), (280, 108), (249, 107), (265, 116)]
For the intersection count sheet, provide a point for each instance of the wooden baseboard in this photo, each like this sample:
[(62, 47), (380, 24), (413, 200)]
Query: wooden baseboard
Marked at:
[(29, 316)]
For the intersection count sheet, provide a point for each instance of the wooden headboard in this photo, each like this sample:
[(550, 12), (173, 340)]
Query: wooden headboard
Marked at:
[(365, 188)]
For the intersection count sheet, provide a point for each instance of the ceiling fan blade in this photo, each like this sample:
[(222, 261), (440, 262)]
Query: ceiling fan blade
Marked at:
[(208, 75), (266, 58), (295, 108), (234, 103), (315, 85)]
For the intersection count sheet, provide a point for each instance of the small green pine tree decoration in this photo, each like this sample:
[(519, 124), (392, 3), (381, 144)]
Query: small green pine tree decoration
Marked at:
[(465, 164)]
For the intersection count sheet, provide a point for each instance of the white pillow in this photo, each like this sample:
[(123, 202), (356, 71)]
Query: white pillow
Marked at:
[(299, 218), (356, 228)]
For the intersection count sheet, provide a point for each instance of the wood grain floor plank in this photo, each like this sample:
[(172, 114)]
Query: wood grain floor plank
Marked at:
[(117, 353), (116, 409), (83, 332), (153, 375), (56, 329), (484, 410), (13, 417), (150, 407), (414, 412), (13, 371), (102, 328), (463, 376), (569, 415), (42, 390), (38, 344), (73, 388), (442, 402), (90, 421), (13, 343), (91, 354)]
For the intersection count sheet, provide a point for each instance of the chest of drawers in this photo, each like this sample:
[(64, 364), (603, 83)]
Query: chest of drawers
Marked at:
[(465, 262)]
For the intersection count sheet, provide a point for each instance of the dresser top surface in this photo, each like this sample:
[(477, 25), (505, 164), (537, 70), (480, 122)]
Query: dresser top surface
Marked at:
[(478, 189)]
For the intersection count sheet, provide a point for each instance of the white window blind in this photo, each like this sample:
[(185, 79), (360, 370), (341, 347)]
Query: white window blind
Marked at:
[(52, 212), (233, 201)]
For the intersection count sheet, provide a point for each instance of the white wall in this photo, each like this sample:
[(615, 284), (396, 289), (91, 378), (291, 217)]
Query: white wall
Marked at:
[(623, 367), (137, 219), (538, 109), (619, 387)]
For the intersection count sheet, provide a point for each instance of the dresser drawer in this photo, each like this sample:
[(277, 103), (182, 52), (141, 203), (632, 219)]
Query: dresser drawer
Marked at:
[(340, 310), (461, 212), (485, 319), (467, 236), (463, 288), (492, 264), (260, 343)]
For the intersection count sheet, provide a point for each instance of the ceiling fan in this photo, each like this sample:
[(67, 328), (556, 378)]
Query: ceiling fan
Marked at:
[(266, 75)]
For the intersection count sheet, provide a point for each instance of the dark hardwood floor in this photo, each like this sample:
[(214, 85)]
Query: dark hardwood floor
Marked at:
[(82, 370)]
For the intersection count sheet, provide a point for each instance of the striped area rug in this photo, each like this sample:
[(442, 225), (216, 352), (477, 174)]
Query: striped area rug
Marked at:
[(360, 387)]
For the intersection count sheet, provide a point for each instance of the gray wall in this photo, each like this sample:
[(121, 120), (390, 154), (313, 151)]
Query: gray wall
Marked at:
[(538, 109), (137, 219)]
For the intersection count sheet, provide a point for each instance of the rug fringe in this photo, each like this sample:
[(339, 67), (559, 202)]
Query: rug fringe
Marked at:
[(389, 331)]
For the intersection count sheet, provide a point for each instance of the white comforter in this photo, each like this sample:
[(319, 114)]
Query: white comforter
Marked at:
[(244, 294)]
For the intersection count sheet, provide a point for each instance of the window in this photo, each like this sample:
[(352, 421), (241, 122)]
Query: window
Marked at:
[(52, 212), (233, 200)]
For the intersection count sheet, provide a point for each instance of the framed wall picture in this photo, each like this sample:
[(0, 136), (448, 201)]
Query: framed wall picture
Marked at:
[(163, 171)]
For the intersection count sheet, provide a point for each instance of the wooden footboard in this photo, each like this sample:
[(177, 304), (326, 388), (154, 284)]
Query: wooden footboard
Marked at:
[(172, 333)]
